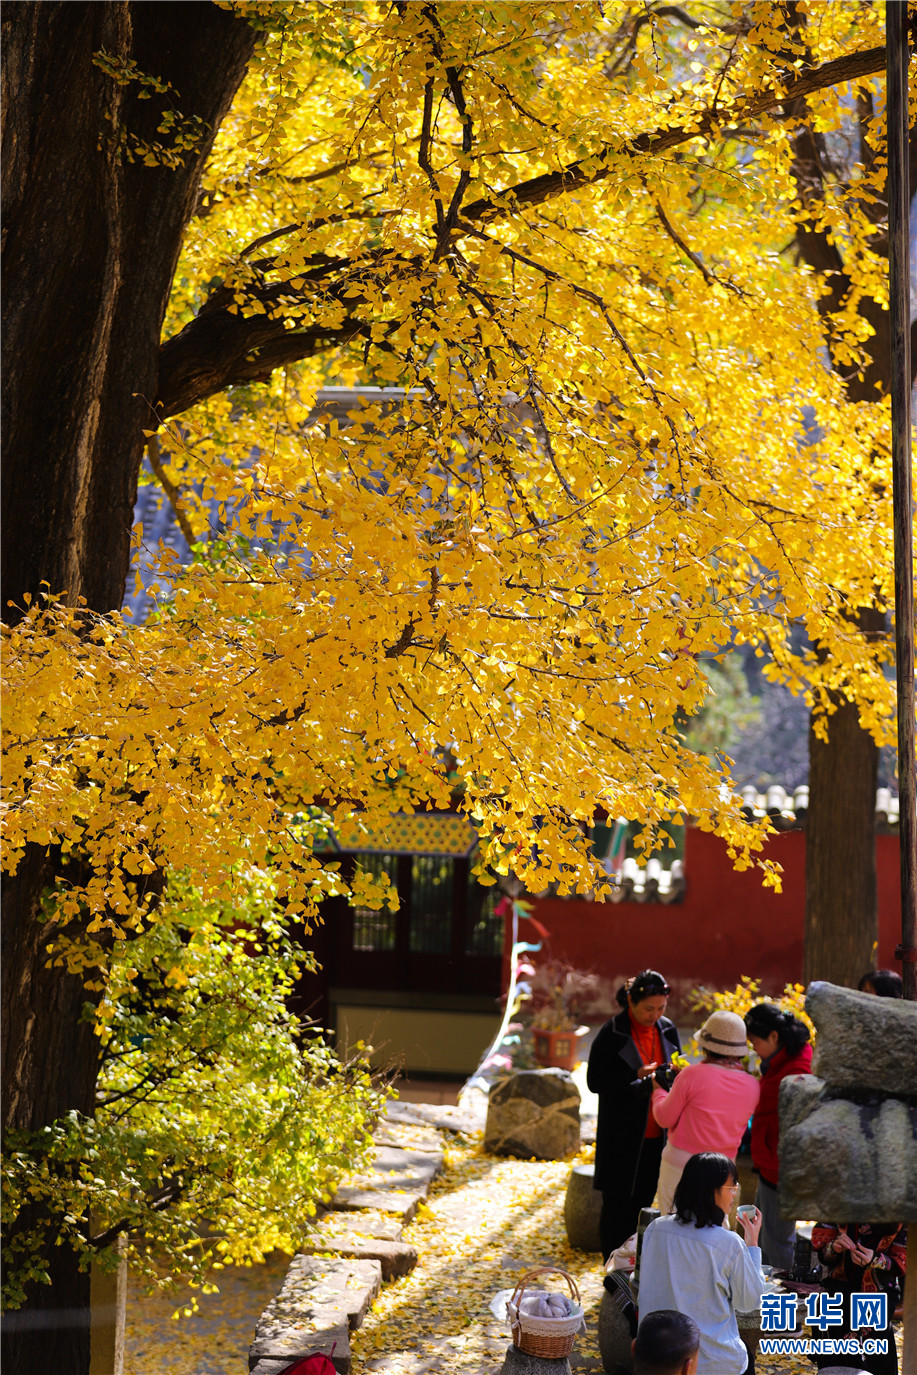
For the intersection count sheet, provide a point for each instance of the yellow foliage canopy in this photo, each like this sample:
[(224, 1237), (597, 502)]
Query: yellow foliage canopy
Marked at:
[(557, 232)]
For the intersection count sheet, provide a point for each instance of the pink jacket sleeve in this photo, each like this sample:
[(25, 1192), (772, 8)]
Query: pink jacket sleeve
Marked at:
[(668, 1107)]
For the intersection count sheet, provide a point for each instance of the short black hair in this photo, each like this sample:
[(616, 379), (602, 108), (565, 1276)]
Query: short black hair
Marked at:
[(665, 1340), (763, 1018), (695, 1196), (886, 983), (647, 984)]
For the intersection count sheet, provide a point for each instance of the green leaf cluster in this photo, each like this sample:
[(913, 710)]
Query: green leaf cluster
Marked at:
[(222, 1120)]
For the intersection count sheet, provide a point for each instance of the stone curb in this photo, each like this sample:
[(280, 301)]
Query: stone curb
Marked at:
[(319, 1304)]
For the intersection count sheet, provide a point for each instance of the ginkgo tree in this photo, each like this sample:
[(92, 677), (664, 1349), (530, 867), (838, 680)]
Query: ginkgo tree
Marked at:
[(606, 442)]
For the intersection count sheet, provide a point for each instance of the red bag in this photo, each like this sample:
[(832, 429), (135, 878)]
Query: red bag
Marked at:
[(311, 1365)]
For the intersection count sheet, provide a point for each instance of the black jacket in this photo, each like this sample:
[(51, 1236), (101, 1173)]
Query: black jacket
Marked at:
[(624, 1100)]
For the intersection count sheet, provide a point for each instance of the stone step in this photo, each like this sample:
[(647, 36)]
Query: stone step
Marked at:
[(394, 1169), (368, 1222), (408, 1136), (358, 1243), (368, 1235), (442, 1116), (320, 1302), (402, 1203)]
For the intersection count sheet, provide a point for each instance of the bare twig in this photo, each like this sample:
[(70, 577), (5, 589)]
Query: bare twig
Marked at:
[(709, 277), (172, 493)]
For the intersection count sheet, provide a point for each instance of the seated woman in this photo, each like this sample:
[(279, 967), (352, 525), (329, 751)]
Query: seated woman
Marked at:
[(709, 1105), (863, 1258), (690, 1262)]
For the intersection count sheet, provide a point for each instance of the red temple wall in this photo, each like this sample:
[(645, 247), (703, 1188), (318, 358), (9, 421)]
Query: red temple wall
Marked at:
[(725, 926)]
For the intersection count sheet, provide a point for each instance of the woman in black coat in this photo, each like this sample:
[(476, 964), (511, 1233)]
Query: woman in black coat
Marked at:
[(627, 1055)]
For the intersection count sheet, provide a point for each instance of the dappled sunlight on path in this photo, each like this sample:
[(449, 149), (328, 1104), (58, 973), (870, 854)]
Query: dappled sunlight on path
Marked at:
[(484, 1225)]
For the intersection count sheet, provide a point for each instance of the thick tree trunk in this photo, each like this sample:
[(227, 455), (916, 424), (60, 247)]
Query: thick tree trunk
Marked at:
[(841, 907), (841, 916), (91, 240), (49, 1069)]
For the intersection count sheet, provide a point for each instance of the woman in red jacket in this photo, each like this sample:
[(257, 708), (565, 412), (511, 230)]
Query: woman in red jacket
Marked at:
[(782, 1043)]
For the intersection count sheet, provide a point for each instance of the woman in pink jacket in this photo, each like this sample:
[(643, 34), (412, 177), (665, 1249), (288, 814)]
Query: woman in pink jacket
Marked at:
[(709, 1104)]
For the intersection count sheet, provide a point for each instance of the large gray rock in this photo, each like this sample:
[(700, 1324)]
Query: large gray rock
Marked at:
[(865, 1044), (518, 1362), (582, 1207), (534, 1113), (847, 1160), (800, 1095), (848, 1132)]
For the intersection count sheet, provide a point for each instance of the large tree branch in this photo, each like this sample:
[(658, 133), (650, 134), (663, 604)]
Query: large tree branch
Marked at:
[(586, 172), (219, 349)]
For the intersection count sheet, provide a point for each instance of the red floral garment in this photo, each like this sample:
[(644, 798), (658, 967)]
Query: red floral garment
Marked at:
[(887, 1240)]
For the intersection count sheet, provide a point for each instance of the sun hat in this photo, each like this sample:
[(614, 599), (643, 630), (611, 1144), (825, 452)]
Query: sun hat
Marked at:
[(724, 1033)]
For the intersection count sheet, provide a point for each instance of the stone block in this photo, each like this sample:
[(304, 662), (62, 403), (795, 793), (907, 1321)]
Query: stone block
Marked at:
[(615, 1337), (318, 1305), (865, 1044), (369, 1222), (518, 1362), (395, 1169), (402, 1204), (800, 1094), (582, 1207), (534, 1113), (851, 1161), (443, 1117), (364, 1236), (407, 1137)]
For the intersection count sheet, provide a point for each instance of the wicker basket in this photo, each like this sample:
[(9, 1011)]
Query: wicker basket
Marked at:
[(551, 1338)]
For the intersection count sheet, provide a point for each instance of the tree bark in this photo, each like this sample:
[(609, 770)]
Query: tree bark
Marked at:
[(841, 923), (841, 914), (91, 241)]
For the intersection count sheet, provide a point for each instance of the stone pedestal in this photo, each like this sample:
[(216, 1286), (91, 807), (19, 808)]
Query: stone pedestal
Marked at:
[(518, 1362), (534, 1113), (614, 1338), (582, 1208)]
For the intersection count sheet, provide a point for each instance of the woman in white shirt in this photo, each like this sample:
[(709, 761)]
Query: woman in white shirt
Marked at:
[(692, 1263)]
